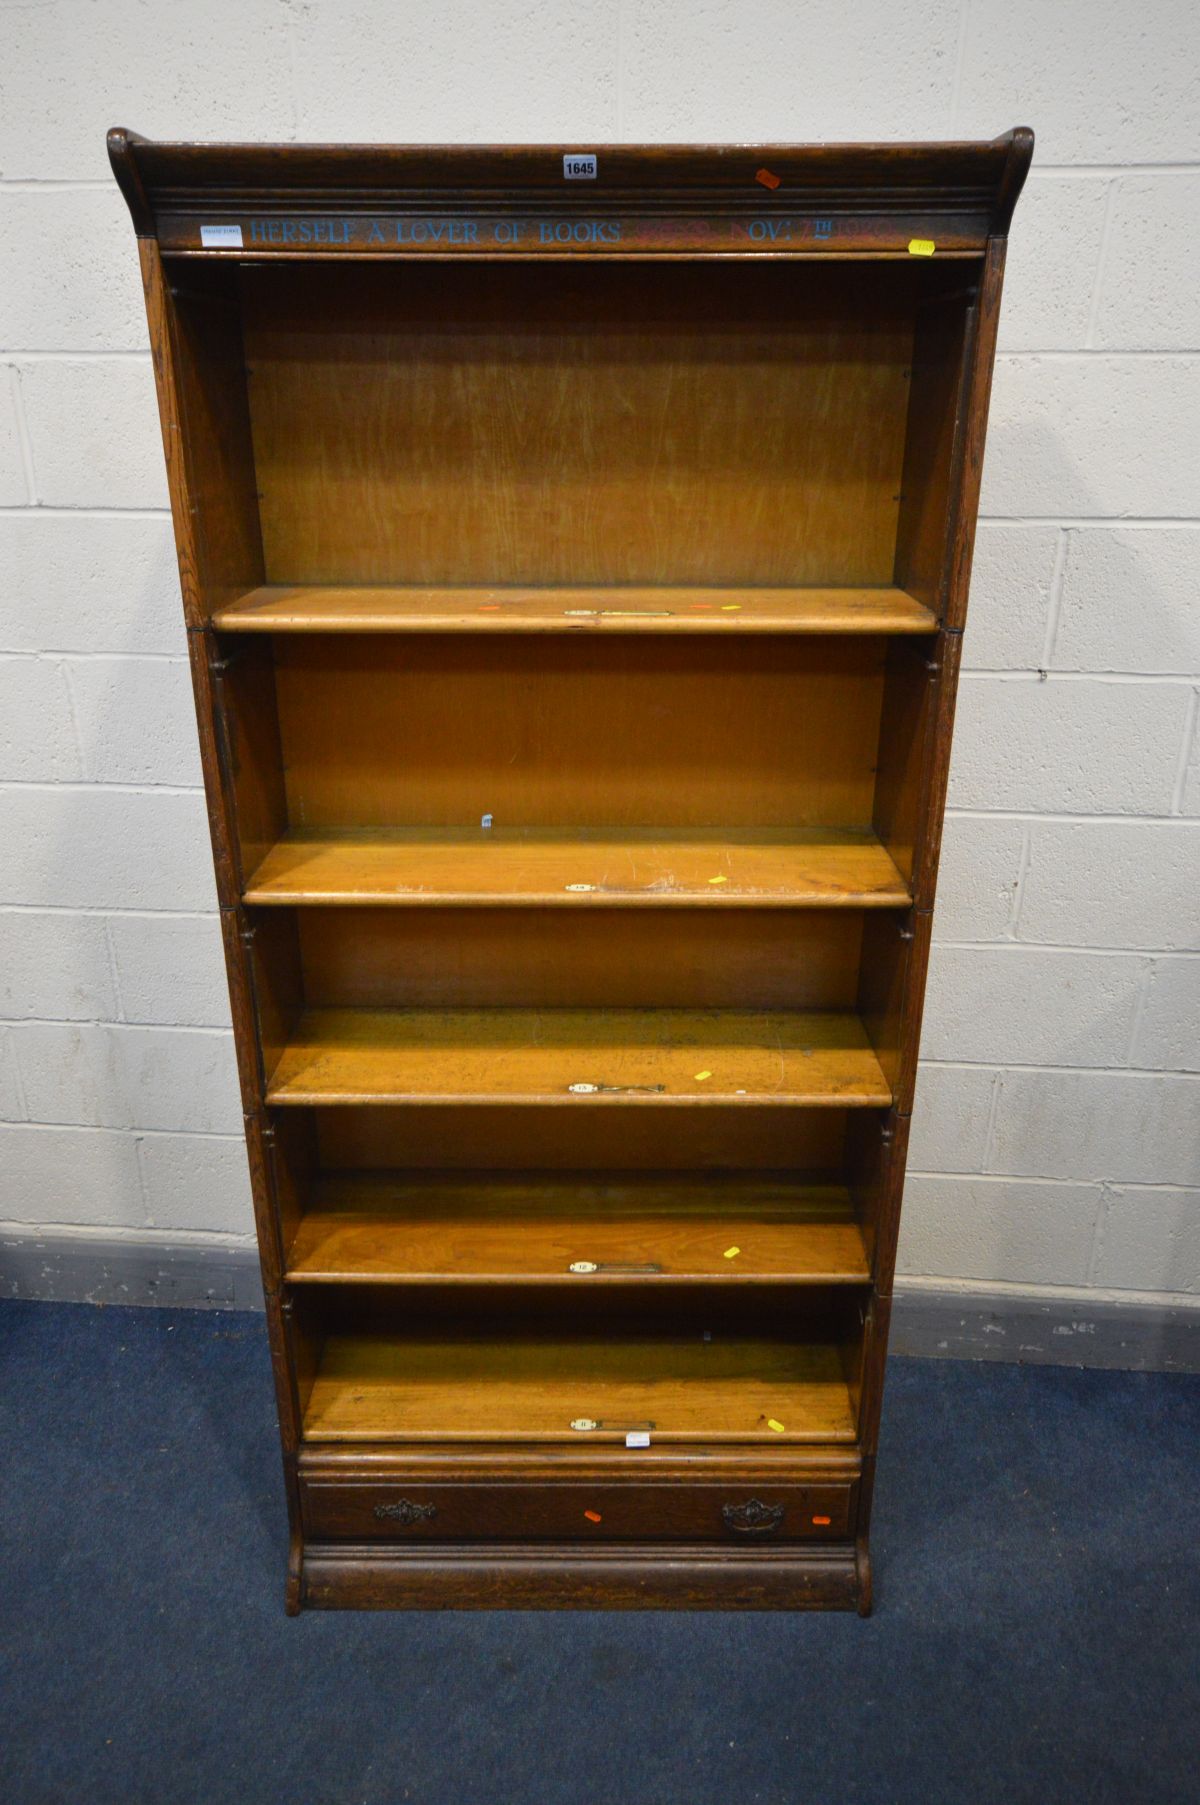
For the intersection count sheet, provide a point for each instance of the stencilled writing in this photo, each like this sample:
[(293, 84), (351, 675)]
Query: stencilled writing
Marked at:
[(435, 231), (788, 231), (301, 231), (506, 232)]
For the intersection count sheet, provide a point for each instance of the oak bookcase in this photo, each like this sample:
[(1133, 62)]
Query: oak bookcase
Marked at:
[(574, 551)]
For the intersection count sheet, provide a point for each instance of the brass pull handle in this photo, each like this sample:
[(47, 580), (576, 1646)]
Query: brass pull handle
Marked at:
[(586, 1423), (406, 1512), (630, 1266), (754, 1518)]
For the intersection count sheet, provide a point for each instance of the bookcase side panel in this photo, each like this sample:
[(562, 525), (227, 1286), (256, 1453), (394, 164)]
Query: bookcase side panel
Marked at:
[(196, 346), (919, 713)]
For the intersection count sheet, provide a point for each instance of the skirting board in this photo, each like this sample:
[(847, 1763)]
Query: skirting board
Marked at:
[(1046, 1328), (70, 1268), (1038, 1327)]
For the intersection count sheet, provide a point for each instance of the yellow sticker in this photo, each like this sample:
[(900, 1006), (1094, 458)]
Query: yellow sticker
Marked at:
[(701, 1076), (731, 607), (777, 1426), (731, 1253), (921, 247), (718, 880)]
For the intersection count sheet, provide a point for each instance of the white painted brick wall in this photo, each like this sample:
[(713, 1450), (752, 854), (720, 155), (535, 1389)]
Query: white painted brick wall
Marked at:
[(1135, 1126), (1152, 301), (1057, 1136), (112, 1076), (190, 1178), (101, 307), (69, 1175), (952, 1125), (1033, 1005), (1090, 745), (973, 1228), (1050, 273), (1011, 585), (1093, 437), (90, 846), (38, 743), (1148, 1239), (14, 478), (93, 432), (1112, 883), (56, 966), (979, 876), (170, 968), (12, 1104), (136, 720), (1130, 598), (79, 582), (1165, 1038)]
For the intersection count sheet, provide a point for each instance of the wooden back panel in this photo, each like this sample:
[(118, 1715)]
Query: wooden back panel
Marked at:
[(628, 958), (764, 732), (483, 1137), (619, 423)]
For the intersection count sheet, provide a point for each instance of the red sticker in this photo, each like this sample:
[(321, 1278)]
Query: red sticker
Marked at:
[(593, 1516), (823, 1521), (766, 178)]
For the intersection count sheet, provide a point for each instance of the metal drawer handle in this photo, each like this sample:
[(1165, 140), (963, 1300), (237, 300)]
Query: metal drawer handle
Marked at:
[(405, 1511), (752, 1518)]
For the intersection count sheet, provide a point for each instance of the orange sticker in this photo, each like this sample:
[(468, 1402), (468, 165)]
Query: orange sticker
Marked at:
[(593, 1516), (766, 178), (823, 1521)]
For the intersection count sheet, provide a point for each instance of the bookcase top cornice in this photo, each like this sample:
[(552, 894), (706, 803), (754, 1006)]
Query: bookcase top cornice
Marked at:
[(800, 198)]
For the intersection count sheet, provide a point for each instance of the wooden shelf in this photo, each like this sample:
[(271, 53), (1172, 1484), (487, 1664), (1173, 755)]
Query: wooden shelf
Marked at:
[(824, 868), (389, 1388), (314, 608), (446, 1228), (630, 1056)]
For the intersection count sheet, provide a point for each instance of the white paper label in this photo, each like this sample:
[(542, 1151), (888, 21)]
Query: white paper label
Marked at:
[(638, 1438), (577, 168), (227, 238)]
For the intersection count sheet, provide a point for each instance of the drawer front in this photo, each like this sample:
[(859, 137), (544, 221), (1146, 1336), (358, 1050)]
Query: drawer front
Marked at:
[(745, 1512)]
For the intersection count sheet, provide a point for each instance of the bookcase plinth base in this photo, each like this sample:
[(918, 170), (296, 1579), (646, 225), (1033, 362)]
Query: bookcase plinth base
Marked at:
[(371, 1576)]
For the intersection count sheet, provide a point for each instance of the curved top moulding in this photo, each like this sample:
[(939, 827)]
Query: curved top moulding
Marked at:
[(224, 200)]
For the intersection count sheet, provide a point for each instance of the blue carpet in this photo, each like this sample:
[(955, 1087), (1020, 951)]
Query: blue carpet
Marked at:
[(1035, 1632)]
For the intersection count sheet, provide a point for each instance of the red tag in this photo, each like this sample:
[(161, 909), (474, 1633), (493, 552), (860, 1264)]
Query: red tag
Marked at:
[(766, 178), (593, 1516)]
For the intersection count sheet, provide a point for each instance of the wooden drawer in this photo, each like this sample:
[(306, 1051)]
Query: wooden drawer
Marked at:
[(413, 1509)]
